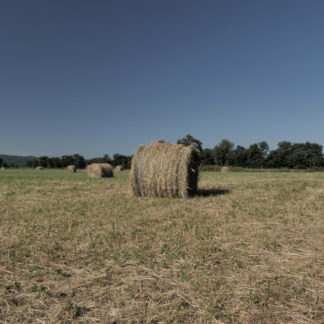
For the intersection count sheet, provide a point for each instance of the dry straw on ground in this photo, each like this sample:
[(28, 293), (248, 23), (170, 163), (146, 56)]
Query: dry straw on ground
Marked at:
[(39, 168), (165, 170), (100, 170), (78, 250), (224, 169), (119, 168), (71, 168)]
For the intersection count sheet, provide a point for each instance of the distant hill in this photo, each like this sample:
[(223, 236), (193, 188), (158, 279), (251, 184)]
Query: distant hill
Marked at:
[(15, 159)]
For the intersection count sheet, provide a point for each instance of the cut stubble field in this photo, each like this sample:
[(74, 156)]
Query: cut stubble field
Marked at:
[(247, 249)]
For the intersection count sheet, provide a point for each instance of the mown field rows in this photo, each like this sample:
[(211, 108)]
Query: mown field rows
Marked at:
[(247, 249)]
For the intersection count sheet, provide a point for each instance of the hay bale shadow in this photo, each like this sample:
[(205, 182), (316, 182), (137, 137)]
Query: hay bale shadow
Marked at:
[(211, 192)]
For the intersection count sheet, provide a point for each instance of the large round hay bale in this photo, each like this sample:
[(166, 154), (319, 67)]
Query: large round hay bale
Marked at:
[(2, 168), (71, 168), (39, 168), (165, 170), (100, 170), (224, 169), (119, 168)]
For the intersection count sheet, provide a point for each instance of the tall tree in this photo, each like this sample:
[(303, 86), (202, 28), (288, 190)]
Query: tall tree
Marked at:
[(56, 162), (239, 157), (257, 154), (107, 158), (281, 157), (190, 140), (207, 157), (67, 160), (223, 151), (79, 161), (44, 161), (307, 155)]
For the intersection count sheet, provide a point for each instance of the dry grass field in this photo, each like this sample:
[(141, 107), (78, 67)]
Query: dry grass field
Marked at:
[(248, 249)]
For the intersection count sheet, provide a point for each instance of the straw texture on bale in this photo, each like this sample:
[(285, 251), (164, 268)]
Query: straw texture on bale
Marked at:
[(39, 168), (100, 170), (71, 168), (119, 168), (224, 169), (165, 170)]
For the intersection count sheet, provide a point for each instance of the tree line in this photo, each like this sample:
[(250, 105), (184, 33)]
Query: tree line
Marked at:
[(286, 155), (225, 153), (79, 161)]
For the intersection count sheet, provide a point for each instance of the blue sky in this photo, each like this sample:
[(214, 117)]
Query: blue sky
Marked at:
[(96, 77)]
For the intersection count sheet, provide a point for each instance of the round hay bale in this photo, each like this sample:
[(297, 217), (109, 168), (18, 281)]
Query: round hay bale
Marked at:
[(165, 170), (224, 169), (2, 168), (71, 168), (100, 170), (119, 168), (39, 168)]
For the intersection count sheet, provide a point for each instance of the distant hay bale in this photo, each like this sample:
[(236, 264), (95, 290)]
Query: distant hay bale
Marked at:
[(71, 168), (224, 169), (100, 170), (39, 168), (2, 168), (119, 168), (165, 170)]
